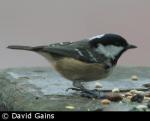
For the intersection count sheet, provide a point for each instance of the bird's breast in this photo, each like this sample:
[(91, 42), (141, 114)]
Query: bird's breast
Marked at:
[(73, 69)]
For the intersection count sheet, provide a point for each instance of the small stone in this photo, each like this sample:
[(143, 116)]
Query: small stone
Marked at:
[(147, 98), (147, 85), (98, 85), (120, 102), (70, 107), (133, 91), (129, 97), (105, 102), (147, 95), (122, 95), (88, 109), (116, 90), (135, 78), (136, 92), (128, 94), (114, 97), (140, 92), (61, 43), (137, 98)]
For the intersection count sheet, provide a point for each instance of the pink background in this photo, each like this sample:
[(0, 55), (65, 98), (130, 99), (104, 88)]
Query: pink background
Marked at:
[(40, 22)]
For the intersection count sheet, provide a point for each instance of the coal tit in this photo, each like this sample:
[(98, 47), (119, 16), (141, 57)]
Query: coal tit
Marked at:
[(86, 60)]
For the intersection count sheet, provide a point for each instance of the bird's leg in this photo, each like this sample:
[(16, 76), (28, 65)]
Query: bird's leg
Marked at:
[(77, 86), (86, 92)]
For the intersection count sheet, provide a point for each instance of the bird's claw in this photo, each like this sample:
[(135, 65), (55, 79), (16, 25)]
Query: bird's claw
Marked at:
[(76, 89), (92, 94), (89, 93)]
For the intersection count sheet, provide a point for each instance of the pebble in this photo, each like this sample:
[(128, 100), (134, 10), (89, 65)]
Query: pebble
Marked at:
[(129, 97), (136, 92), (147, 98), (122, 95), (105, 102), (147, 95), (140, 92), (147, 85), (88, 109), (135, 78), (133, 91), (98, 85), (114, 97), (70, 107), (137, 98), (128, 94), (116, 90)]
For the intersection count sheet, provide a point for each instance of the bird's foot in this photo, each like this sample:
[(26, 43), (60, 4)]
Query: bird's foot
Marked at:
[(89, 93), (76, 89)]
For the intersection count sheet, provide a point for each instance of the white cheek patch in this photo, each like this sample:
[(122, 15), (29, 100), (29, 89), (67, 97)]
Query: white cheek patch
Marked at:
[(97, 36), (109, 51)]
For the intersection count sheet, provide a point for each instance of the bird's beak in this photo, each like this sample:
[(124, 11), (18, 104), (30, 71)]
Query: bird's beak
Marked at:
[(131, 46)]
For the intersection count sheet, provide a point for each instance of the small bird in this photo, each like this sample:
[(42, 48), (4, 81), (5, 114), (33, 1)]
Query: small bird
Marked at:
[(85, 60)]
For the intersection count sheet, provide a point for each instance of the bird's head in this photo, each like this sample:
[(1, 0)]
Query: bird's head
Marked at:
[(110, 45)]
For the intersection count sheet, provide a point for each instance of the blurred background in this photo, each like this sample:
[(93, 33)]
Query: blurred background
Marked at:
[(41, 22)]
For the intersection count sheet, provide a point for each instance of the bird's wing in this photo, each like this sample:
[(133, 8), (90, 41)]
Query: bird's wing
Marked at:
[(80, 50)]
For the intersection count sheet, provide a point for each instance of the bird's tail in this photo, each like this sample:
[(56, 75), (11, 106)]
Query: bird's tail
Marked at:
[(20, 47)]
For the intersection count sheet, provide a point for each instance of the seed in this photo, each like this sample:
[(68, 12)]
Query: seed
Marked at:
[(147, 85), (147, 95), (70, 107), (114, 97), (105, 102), (136, 92), (116, 90), (128, 94), (129, 97), (122, 95), (140, 92), (98, 85), (147, 98), (133, 91), (135, 78)]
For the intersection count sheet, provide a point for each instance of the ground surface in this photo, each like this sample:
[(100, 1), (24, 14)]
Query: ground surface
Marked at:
[(42, 89)]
